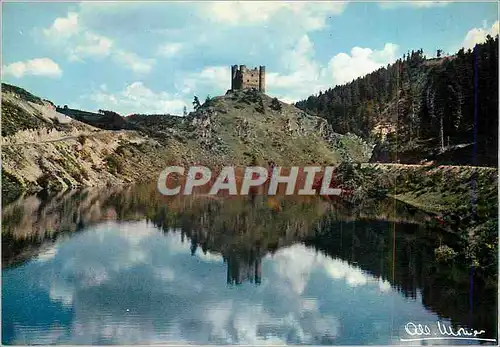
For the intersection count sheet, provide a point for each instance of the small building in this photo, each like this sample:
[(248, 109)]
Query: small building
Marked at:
[(244, 78)]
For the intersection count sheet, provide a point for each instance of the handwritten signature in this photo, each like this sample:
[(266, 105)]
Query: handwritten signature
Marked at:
[(420, 332)]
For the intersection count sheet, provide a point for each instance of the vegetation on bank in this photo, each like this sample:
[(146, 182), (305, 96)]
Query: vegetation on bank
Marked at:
[(12, 188), (463, 200)]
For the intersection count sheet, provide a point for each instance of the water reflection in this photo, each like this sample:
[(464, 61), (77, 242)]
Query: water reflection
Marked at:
[(241, 268), (130, 266)]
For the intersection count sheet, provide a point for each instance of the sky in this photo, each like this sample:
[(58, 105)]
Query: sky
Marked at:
[(153, 57)]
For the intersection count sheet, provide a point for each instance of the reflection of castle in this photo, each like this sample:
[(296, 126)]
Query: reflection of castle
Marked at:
[(242, 265), (239, 271)]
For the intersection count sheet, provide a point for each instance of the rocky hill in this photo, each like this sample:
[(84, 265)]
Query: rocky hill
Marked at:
[(45, 149), (244, 126)]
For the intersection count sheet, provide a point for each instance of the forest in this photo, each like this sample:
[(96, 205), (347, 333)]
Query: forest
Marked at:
[(445, 106)]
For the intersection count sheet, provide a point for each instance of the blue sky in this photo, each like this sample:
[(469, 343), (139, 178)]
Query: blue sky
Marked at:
[(153, 57)]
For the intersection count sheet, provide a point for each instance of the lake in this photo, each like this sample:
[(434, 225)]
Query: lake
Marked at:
[(129, 266)]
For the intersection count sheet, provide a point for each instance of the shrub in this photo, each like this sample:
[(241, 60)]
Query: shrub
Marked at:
[(114, 163), (275, 104), (444, 253), (82, 139), (11, 187)]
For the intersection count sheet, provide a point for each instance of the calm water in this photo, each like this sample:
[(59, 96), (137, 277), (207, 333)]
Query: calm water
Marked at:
[(126, 266)]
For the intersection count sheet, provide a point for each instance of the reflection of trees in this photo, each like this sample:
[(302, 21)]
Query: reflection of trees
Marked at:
[(403, 254), (384, 238)]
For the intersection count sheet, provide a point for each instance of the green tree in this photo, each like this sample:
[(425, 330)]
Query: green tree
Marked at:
[(422, 101), (275, 104), (196, 103)]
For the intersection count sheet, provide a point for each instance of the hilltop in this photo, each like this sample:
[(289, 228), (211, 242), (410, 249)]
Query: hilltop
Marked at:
[(44, 148)]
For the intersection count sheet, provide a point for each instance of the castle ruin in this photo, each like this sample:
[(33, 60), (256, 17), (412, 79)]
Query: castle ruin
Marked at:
[(244, 78)]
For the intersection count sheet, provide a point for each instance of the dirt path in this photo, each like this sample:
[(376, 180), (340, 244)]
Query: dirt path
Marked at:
[(428, 165), (66, 138)]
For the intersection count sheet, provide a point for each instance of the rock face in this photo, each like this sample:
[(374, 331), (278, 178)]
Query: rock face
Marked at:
[(44, 149)]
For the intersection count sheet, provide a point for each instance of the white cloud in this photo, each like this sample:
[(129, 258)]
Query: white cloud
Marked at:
[(303, 74), (277, 32), (344, 68), (137, 98), (134, 233), (35, 67), (339, 269), (302, 299), (384, 285), (91, 45), (216, 29), (133, 62), (478, 35), (80, 43), (306, 76), (169, 49), (312, 15), (48, 254), (301, 55), (210, 257), (295, 265), (212, 77), (63, 27)]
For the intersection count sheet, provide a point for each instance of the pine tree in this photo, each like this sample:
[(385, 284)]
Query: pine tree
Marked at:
[(196, 103), (431, 102)]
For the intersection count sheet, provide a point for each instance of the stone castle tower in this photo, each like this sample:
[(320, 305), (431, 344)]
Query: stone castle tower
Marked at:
[(244, 78)]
